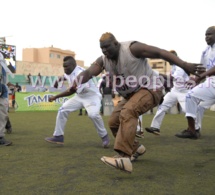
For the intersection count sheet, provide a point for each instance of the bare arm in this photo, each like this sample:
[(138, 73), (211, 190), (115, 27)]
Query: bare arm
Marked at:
[(63, 94), (209, 73), (141, 50), (94, 70)]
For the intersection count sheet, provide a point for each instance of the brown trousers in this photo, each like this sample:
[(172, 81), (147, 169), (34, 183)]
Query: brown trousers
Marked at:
[(124, 119)]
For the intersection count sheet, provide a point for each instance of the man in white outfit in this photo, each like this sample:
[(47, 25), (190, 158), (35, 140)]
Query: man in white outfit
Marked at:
[(203, 94), (177, 94), (87, 96)]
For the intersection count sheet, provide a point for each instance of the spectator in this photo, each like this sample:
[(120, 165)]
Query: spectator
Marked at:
[(3, 103), (29, 78), (18, 87), (105, 88)]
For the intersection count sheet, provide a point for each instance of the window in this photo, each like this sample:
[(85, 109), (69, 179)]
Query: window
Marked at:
[(51, 55), (58, 56), (158, 65), (154, 65)]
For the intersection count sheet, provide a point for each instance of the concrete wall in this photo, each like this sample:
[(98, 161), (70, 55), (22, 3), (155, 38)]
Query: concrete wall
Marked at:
[(24, 68)]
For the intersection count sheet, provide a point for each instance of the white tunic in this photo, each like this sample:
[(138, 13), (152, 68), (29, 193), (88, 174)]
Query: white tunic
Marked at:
[(82, 89)]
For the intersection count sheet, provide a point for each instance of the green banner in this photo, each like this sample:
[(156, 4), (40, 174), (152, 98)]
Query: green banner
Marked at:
[(37, 101)]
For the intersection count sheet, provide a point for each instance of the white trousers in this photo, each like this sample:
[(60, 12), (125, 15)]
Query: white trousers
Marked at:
[(3, 115), (170, 99), (202, 95), (91, 103)]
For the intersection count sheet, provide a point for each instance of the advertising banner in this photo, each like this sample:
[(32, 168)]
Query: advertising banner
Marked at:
[(37, 101)]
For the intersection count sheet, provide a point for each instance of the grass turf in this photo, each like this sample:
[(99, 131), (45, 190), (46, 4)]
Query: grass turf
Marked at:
[(171, 166)]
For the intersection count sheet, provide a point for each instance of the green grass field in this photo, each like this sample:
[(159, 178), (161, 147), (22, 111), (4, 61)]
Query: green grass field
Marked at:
[(171, 166)]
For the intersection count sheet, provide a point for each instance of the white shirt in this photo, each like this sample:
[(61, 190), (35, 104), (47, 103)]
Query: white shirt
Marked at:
[(179, 78), (82, 89), (208, 59)]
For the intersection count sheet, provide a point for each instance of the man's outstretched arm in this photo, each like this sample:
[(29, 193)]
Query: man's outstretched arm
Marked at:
[(142, 50), (94, 70)]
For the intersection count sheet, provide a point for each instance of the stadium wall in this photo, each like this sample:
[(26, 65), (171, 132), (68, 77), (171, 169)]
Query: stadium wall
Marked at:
[(24, 68)]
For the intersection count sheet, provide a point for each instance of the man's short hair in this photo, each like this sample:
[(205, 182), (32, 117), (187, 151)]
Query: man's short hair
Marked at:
[(106, 36), (69, 58)]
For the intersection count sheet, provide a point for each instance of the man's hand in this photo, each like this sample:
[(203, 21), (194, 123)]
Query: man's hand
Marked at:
[(192, 82), (73, 88), (52, 98), (192, 68), (200, 69)]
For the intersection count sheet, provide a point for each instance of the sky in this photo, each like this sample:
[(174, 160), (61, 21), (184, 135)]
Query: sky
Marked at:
[(77, 25)]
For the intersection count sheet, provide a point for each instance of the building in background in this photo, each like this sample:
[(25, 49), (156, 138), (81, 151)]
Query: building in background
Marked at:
[(47, 55), (160, 65), (46, 61)]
